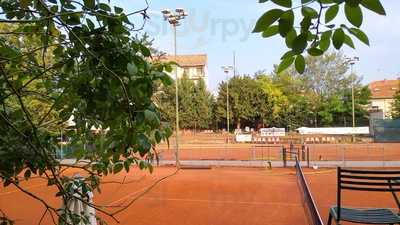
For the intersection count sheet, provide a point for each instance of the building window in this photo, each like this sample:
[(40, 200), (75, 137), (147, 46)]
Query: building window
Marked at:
[(186, 71), (199, 71)]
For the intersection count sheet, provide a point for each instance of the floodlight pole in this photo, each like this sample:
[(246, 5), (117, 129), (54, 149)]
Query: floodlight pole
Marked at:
[(226, 71), (178, 164), (173, 19), (352, 61), (227, 102), (352, 95)]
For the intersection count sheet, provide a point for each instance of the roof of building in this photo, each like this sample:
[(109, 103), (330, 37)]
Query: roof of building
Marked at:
[(187, 60), (384, 88)]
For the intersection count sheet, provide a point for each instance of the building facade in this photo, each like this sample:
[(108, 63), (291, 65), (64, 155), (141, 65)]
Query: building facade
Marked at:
[(194, 66), (382, 96)]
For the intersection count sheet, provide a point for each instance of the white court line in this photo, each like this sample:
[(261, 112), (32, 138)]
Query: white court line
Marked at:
[(27, 188), (224, 202), (127, 196)]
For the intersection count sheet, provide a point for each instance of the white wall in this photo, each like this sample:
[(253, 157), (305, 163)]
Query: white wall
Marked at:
[(385, 105), (192, 73)]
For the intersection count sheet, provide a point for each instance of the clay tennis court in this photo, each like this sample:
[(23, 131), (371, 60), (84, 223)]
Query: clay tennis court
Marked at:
[(318, 152), (215, 196)]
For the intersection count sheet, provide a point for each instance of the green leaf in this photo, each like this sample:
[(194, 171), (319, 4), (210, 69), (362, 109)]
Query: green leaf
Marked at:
[(325, 41), (374, 5), (290, 38), (300, 64), (348, 41), (25, 3), (305, 24), (262, 1), (150, 167), (127, 164), (309, 12), (353, 14), (27, 174), (331, 13), (360, 35), (285, 63), (338, 38), (270, 31), (132, 69), (267, 20), (315, 51), (144, 144), (284, 3), (286, 23), (352, 3), (287, 54), (89, 3), (145, 51), (142, 165), (118, 10), (310, 36), (158, 136), (105, 7), (90, 24), (166, 79), (299, 44), (305, 1), (151, 117), (73, 19), (118, 167)]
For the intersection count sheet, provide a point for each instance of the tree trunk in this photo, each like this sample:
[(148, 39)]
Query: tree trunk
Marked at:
[(238, 124)]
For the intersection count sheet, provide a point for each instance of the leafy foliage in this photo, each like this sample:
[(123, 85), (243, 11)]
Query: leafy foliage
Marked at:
[(321, 96), (195, 103), (248, 103), (396, 106), (80, 60), (311, 35)]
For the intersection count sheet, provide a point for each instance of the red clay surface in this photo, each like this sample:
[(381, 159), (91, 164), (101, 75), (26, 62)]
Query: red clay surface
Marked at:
[(323, 187), (325, 152), (218, 196)]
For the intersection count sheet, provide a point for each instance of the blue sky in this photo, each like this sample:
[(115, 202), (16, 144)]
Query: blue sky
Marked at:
[(219, 27)]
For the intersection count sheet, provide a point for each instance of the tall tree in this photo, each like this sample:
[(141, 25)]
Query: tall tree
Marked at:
[(195, 103), (279, 102), (396, 106), (84, 63), (248, 103), (324, 91)]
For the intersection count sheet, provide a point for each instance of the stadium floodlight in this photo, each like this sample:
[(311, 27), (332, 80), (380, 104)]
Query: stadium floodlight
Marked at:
[(166, 13), (226, 70), (174, 18)]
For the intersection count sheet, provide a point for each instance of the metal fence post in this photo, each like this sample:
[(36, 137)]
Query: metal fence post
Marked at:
[(303, 153), (284, 156)]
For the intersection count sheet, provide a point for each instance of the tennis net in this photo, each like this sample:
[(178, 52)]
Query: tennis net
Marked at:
[(309, 204)]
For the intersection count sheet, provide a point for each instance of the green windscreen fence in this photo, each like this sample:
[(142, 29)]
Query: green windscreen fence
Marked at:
[(385, 130)]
